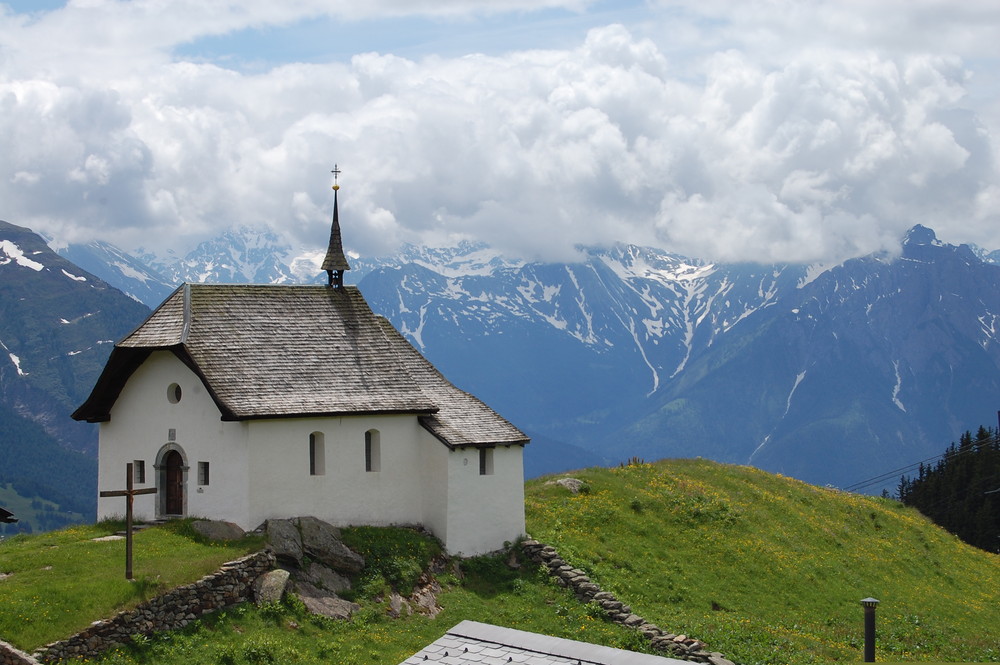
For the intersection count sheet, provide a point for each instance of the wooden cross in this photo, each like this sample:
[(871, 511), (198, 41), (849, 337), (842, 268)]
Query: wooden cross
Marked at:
[(129, 493)]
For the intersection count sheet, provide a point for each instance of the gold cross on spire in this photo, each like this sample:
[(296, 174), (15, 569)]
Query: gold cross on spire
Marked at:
[(336, 176)]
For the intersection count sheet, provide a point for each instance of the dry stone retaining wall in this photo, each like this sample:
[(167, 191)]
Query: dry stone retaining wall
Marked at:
[(11, 655), (678, 646), (230, 585)]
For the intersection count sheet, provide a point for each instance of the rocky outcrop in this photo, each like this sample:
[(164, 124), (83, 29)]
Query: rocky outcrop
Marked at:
[(320, 576), (325, 603), (586, 590), (284, 540), (318, 561), (293, 539), (322, 542)]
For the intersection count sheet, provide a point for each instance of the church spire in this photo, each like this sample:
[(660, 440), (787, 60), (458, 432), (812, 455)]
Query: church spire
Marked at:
[(335, 262)]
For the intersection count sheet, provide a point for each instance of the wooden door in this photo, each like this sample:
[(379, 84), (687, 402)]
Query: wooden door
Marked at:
[(174, 504)]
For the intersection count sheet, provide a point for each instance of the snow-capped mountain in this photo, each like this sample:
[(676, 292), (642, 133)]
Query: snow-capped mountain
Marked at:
[(822, 372), (825, 374), (130, 275), (239, 255)]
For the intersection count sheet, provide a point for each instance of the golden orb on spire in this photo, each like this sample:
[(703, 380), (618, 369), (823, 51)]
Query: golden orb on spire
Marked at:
[(336, 176)]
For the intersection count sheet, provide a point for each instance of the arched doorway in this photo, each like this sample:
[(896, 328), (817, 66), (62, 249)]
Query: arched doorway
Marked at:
[(174, 490), (171, 469)]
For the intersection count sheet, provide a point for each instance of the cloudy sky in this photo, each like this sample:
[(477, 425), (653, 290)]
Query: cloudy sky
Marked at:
[(745, 130)]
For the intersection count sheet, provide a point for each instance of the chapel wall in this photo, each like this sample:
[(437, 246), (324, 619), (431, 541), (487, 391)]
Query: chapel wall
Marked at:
[(147, 418), (434, 473), (485, 510), (343, 493)]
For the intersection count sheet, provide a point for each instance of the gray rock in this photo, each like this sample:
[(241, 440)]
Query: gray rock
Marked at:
[(321, 576), (325, 603), (397, 605), (322, 542), (633, 620), (285, 540), (572, 484), (270, 587), (719, 660), (425, 599), (216, 530)]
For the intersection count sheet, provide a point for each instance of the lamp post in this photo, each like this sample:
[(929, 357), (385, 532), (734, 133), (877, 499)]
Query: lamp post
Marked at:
[(869, 604)]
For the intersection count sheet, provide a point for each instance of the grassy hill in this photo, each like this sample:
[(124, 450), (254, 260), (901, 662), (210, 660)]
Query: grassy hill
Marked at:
[(762, 568), (767, 569)]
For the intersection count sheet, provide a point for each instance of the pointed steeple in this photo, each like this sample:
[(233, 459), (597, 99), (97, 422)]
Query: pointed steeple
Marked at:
[(335, 262)]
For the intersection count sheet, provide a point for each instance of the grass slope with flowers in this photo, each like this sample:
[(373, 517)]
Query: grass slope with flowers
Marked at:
[(763, 568), (767, 569)]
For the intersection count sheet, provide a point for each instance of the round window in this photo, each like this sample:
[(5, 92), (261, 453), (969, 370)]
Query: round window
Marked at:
[(174, 393)]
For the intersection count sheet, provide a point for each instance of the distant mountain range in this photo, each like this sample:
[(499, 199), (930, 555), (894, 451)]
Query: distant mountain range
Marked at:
[(828, 373)]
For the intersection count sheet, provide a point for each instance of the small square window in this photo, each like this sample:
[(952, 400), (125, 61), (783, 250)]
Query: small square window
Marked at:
[(139, 471), (202, 473)]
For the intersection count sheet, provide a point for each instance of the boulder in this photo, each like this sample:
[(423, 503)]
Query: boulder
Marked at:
[(572, 484), (322, 542), (321, 576), (285, 540), (325, 603), (217, 530), (270, 587)]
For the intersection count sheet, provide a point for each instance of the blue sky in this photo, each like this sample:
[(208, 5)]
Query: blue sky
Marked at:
[(764, 130), (325, 38)]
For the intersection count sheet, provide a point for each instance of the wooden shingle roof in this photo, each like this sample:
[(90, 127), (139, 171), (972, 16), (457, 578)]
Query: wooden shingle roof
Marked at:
[(273, 351)]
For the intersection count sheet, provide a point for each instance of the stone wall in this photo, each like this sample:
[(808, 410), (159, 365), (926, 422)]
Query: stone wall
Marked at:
[(231, 584), (586, 590), (11, 655)]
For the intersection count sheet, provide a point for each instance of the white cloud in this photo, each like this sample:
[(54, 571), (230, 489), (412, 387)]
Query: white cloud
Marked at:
[(776, 142)]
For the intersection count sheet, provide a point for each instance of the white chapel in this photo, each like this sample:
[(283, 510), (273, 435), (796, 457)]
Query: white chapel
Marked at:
[(249, 402)]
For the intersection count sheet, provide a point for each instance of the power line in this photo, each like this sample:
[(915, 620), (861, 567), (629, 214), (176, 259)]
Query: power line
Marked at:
[(881, 478)]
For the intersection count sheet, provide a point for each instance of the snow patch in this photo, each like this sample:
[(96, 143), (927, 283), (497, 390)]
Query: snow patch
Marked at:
[(75, 278), (814, 271), (895, 389), (15, 254), (14, 359)]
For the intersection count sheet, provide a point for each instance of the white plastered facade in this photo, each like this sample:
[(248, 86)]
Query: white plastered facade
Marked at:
[(260, 469)]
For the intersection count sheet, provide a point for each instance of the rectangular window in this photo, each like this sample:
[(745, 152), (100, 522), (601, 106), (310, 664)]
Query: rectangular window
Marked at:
[(485, 461), (317, 454), (139, 471), (202, 473)]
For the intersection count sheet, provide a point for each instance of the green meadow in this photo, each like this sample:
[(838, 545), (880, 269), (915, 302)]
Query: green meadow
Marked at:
[(767, 569), (763, 568)]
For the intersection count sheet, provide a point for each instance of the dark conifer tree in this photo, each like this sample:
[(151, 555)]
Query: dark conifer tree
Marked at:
[(961, 493)]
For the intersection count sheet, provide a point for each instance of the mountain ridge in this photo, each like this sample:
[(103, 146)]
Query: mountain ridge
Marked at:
[(636, 350)]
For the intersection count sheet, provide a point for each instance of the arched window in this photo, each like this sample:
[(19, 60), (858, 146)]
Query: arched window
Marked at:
[(317, 454), (373, 450)]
